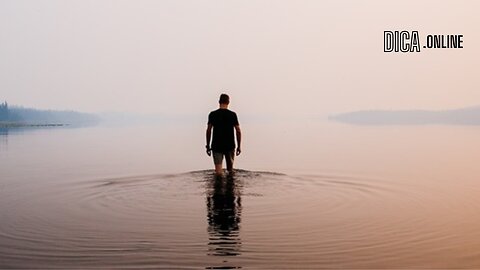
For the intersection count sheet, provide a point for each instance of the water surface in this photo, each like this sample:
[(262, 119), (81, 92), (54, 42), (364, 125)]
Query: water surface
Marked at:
[(313, 195)]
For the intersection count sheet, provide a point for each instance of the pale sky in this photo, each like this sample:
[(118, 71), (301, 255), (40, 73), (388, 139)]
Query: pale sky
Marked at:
[(272, 57)]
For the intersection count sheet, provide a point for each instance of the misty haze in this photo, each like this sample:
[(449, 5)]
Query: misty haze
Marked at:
[(351, 158)]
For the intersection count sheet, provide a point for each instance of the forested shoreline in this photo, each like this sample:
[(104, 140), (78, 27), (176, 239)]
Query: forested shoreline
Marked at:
[(17, 116)]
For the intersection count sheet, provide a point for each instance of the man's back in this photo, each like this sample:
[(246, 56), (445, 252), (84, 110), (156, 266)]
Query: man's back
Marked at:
[(223, 122)]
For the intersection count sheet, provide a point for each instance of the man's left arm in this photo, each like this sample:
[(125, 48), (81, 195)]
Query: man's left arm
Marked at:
[(208, 137)]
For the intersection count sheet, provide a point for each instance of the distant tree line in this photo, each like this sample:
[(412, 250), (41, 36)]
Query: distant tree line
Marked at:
[(6, 114), (462, 116), (35, 116), (4, 111)]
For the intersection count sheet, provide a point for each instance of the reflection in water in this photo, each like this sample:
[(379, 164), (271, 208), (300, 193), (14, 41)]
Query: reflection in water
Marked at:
[(223, 213), (3, 138)]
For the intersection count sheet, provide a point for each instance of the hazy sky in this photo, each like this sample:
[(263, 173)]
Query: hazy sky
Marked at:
[(305, 57)]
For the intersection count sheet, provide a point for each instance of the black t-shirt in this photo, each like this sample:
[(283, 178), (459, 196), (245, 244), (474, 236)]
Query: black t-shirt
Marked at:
[(223, 122)]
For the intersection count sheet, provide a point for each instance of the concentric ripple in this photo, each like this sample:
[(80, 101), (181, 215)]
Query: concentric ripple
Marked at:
[(251, 220)]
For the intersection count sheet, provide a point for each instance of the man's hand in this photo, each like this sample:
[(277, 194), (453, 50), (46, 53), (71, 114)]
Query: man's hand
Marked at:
[(209, 150), (239, 151)]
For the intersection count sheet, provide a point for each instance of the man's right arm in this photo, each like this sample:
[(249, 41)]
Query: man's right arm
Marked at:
[(238, 134)]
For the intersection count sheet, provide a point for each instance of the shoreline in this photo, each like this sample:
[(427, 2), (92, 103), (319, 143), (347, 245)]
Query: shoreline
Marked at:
[(21, 124)]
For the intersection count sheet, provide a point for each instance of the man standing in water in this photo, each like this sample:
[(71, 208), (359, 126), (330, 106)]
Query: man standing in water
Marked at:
[(223, 121)]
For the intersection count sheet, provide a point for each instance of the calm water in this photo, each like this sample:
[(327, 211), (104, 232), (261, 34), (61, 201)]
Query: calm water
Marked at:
[(307, 195)]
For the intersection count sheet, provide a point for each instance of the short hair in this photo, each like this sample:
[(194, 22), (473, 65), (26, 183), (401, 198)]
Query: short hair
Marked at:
[(224, 99)]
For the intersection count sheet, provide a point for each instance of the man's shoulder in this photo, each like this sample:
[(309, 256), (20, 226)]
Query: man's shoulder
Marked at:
[(222, 112), (214, 112)]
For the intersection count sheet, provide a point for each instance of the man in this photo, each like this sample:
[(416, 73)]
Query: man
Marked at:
[(223, 121)]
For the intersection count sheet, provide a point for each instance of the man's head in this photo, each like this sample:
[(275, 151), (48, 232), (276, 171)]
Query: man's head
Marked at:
[(224, 99)]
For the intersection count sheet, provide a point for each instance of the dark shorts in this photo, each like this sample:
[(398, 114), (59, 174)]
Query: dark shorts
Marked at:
[(218, 157)]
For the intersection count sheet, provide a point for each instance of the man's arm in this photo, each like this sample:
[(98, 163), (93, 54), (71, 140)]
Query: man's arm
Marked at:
[(209, 136), (238, 134)]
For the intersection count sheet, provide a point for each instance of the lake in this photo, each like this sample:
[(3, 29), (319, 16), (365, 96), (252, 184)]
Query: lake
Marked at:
[(307, 194)]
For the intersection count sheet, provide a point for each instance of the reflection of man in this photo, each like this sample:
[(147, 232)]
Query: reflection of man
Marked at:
[(223, 121), (223, 213)]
